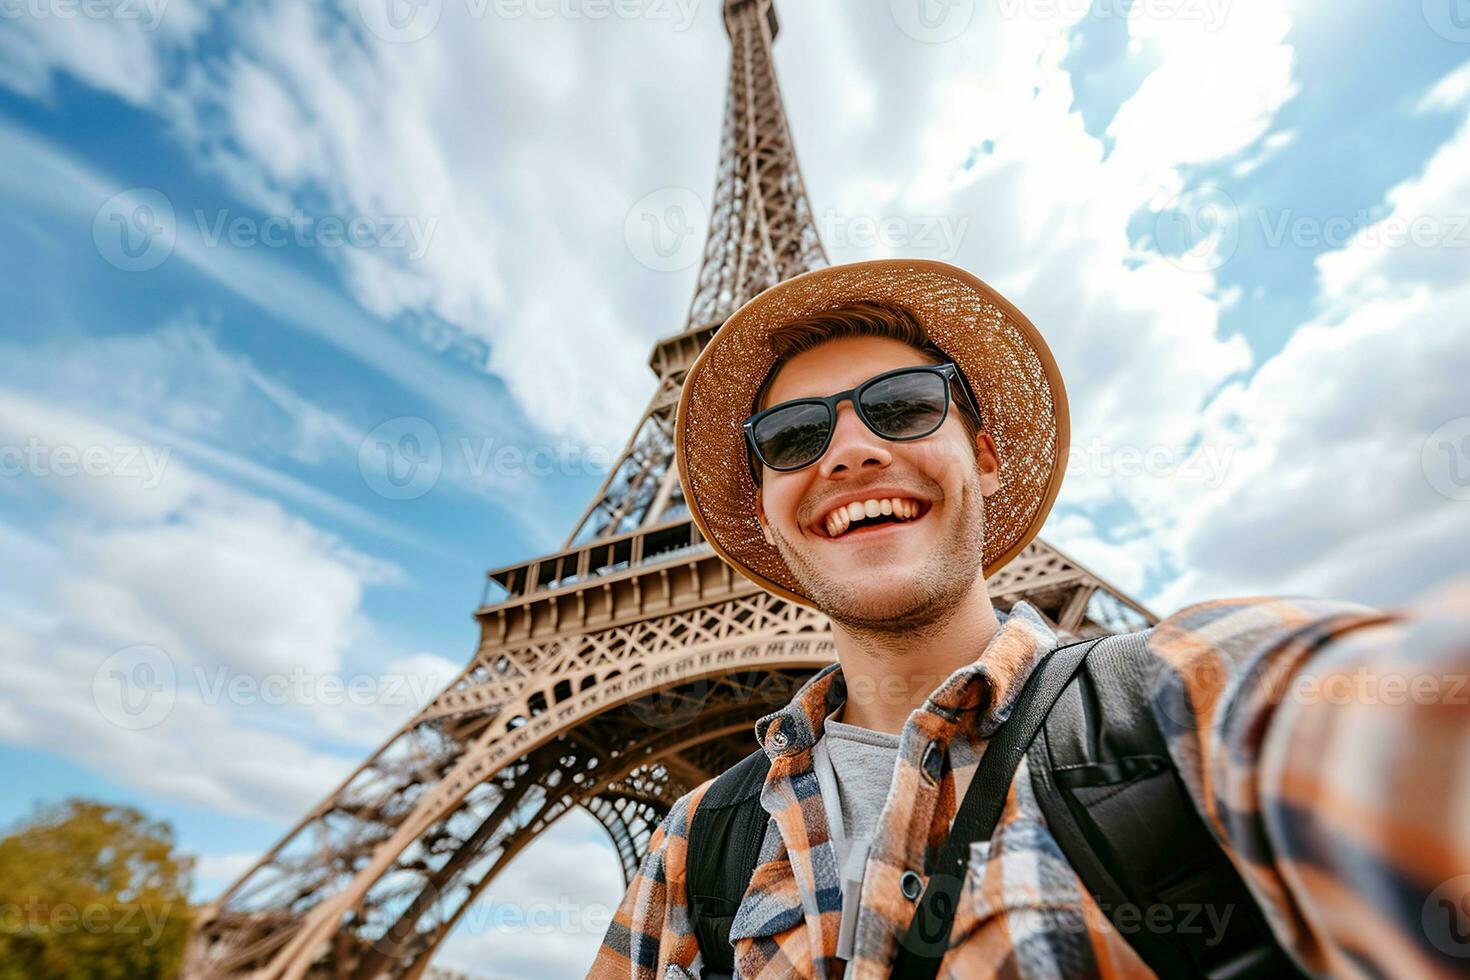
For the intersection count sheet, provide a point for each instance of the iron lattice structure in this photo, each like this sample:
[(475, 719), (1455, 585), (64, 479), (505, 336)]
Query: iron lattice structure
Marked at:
[(613, 675)]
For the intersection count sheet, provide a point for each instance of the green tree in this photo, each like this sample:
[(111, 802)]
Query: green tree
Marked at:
[(92, 892)]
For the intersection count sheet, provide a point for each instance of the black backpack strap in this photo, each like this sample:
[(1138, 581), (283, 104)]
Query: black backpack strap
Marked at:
[(927, 938), (1116, 804), (724, 845)]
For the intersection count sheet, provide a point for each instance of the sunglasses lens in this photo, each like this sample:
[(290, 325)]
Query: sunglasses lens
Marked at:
[(792, 437), (906, 406)]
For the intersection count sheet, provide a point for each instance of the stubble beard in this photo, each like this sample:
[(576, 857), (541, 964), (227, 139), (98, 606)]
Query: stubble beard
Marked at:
[(876, 606)]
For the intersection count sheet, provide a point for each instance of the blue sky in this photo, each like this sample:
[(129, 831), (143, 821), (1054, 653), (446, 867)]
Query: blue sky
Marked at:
[(1243, 226)]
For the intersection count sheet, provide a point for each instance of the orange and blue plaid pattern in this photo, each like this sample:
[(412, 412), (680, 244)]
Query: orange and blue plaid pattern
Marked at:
[(1347, 809)]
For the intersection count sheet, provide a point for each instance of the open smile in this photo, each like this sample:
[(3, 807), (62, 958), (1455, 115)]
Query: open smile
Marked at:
[(870, 516)]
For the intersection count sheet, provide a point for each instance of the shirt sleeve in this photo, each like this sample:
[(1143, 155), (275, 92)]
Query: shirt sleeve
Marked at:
[(651, 935), (1328, 746)]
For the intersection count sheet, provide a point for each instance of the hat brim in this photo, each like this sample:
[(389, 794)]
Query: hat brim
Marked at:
[(1023, 403)]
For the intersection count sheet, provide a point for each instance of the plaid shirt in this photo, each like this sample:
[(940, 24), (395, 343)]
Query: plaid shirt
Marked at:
[(1300, 727)]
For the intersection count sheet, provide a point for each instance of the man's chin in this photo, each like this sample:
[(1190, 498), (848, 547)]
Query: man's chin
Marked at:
[(872, 600)]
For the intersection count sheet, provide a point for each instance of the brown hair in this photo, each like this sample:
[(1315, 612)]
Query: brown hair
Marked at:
[(864, 318)]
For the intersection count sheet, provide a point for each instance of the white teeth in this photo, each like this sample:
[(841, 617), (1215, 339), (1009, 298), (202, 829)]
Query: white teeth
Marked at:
[(839, 519)]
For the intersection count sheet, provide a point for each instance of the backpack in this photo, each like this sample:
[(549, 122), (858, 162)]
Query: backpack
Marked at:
[(1111, 797)]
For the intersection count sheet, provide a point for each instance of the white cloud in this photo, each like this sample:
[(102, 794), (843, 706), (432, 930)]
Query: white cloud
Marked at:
[(475, 420), (1328, 492), (390, 696), (1422, 243), (1448, 92), (1125, 560), (197, 754), (488, 132), (182, 381), (121, 48), (1271, 147), (263, 591), (1215, 90), (198, 396), (297, 300), (308, 108), (256, 613), (128, 480), (213, 873)]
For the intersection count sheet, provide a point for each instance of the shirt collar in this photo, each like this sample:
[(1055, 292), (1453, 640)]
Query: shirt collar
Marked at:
[(984, 690)]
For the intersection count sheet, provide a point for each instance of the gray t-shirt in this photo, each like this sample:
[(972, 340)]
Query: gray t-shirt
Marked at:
[(856, 765), (863, 762)]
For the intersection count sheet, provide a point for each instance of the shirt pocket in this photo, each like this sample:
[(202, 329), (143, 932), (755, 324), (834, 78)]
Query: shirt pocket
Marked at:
[(769, 932)]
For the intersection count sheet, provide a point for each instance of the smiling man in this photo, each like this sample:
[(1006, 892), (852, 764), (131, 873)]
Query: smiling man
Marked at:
[(967, 793)]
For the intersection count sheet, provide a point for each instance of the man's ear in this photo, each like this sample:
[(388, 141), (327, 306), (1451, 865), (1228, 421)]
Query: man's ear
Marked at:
[(760, 515), (988, 460)]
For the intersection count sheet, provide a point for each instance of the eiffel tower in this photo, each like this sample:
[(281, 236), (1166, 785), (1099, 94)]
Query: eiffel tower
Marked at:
[(613, 675)]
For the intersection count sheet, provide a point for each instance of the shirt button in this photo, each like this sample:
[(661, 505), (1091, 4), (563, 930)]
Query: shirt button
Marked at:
[(911, 885), (779, 739)]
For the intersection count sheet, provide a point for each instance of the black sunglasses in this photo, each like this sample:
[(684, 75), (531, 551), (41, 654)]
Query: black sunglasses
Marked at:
[(902, 404)]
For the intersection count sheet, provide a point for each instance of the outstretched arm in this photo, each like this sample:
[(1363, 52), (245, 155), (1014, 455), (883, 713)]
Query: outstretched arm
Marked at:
[(1328, 744)]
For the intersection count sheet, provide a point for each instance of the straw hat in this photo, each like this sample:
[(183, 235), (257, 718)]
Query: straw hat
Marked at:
[(1015, 379)]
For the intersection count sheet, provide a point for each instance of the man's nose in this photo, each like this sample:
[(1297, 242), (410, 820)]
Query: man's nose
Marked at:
[(854, 446)]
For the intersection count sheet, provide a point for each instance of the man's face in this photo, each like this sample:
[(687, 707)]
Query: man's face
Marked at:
[(878, 574)]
